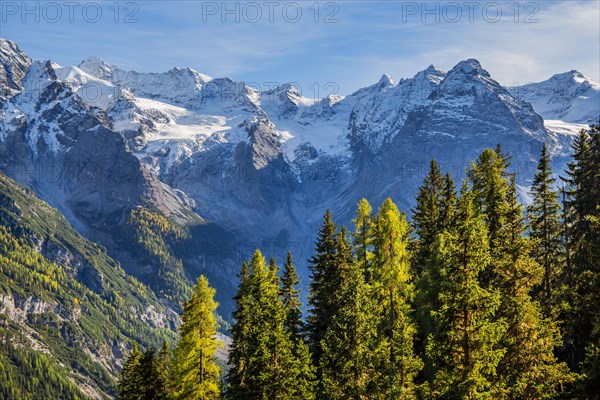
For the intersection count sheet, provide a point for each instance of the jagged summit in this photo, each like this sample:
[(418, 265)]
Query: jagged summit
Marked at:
[(96, 66), (432, 74), (471, 70), (385, 81), (471, 65), (8, 46), (14, 64)]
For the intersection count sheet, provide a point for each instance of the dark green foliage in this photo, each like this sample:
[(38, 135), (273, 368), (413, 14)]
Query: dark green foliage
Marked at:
[(142, 377), (490, 184), (435, 211), (130, 383), (463, 347), (546, 231), (428, 215), (264, 357), (240, 333), (322, 286), (583, 258), (528, 369), (347, 362), (290, 296)]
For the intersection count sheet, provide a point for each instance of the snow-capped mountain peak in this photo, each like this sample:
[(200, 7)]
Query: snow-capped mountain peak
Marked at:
[(96, 67), (470, 66), (178, 85), (385, 81), (570, 97), (432, 74)]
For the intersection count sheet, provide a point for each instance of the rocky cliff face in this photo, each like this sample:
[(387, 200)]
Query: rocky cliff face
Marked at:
[(262, 167)]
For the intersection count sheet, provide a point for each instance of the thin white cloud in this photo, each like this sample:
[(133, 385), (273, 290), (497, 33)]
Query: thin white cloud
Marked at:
[(369, 39)]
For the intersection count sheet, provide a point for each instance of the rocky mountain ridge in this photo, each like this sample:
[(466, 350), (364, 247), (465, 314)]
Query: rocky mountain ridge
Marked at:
[(245, 168)]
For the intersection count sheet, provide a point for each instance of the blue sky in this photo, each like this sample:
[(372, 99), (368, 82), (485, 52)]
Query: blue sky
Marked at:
[(341, 47)]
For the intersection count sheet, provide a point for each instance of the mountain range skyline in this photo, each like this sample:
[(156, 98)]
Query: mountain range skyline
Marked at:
[(358, 42)]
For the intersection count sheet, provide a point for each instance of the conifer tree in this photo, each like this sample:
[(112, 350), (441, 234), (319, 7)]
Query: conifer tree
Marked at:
[(265, 363), (546, 230), (582, 207), (362, 238), (427, 282), (448, 204), (528, 368), (427, 215), (290, 296), (347, 359), (148, 372), (322, 286), (590, 384), (394, 292), (195, 372), (294, 326), (583, 204), (130, 383), (142, 377), (239, 351), (464, 346), (490, 182), (164, 380), (591, 272)]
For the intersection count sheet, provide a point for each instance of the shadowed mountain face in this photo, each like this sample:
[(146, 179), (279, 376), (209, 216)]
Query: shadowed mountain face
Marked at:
[(243, 169)]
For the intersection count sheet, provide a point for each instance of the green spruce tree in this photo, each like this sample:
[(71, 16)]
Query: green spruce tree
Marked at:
[(239, 350), (448, 204), (265, 364), (427, 279), (427, 215), (583, 205), (290, 296), (528, 368), (322, 289), (490, 182), (129, 387), (575, 197), (347, 360), (464, 345), (546, 231)]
